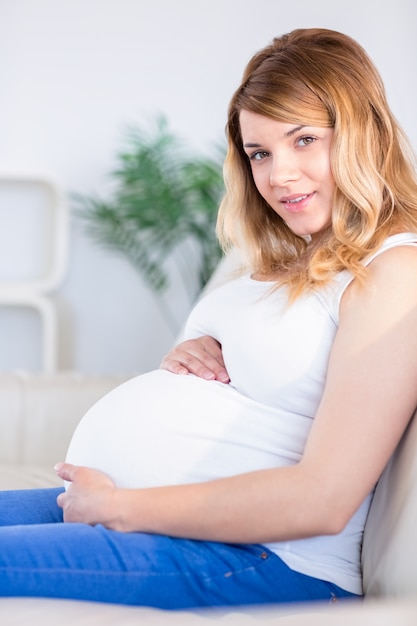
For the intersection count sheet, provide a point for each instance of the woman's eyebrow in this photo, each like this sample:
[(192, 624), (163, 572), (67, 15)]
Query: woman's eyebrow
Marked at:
[(294, 130), (287, 134)]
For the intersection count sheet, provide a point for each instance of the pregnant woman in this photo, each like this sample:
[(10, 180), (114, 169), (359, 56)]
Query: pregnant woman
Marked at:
[(242, 471)]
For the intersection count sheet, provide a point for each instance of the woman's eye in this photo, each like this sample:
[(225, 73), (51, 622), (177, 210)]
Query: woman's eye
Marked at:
[(258, 155), (306, 141)]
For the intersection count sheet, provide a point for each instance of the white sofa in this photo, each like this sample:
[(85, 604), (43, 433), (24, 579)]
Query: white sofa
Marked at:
[(38, 414)]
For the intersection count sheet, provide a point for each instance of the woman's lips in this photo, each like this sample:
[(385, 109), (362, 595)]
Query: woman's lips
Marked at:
[(296, 203)]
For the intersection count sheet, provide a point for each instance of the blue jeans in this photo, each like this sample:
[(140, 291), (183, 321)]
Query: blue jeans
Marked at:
[(44, 557)]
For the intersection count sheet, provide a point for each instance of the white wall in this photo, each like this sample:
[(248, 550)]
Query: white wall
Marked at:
[(74, 73)]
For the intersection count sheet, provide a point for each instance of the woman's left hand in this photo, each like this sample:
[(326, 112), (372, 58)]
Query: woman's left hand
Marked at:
[(88, 498)]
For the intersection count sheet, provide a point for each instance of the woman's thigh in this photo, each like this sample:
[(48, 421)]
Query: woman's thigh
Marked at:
[(93, 563), (30, 506)]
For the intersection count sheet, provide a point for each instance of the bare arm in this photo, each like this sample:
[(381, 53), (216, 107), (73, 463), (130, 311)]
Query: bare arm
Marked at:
[(369, 397)]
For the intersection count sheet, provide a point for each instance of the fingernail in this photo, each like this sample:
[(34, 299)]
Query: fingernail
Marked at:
[(58, 466)]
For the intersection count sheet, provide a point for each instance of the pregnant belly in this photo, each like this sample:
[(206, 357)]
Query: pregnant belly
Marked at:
[(163, 429)]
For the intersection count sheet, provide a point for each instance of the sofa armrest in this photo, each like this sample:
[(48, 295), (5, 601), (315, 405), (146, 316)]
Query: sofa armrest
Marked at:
[(39, 412)]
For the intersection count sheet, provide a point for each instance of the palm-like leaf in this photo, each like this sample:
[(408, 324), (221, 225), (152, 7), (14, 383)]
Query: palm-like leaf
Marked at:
[(162, 198)]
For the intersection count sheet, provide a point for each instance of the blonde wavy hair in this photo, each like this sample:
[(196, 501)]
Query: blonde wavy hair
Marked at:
[(319, 77)]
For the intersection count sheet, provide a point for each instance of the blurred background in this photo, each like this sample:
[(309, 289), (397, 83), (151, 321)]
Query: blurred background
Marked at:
[(74, 75)]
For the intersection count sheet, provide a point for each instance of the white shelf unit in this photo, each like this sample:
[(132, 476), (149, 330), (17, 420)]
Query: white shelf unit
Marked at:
[(33, 251)]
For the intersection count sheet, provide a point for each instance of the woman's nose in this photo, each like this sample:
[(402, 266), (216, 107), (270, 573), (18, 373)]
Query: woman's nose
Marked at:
[(283, 171)]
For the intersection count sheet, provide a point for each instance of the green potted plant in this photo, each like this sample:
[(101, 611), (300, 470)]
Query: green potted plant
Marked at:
[(164, 206)]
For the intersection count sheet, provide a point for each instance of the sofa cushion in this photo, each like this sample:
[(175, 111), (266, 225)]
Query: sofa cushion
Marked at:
[(389, 555)]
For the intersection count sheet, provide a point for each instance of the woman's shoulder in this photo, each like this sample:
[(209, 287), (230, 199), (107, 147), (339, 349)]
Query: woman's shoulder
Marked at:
[(391, 268), (392, 276), (401, 242), (396, 266), (398, 254)]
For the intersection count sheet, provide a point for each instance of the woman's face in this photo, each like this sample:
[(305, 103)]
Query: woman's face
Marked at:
[(291, 169)]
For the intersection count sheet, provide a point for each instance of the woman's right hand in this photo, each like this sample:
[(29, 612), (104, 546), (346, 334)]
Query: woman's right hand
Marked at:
[(202, 357)]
